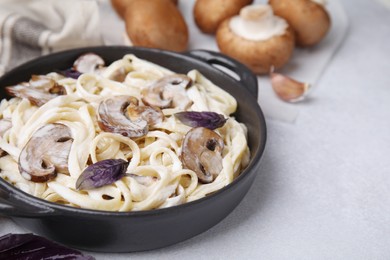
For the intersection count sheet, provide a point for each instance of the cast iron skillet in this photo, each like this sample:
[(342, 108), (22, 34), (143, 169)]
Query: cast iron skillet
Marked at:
[(144, 230)]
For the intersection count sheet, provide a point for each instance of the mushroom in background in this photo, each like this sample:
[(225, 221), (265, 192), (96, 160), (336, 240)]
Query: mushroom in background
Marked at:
[(257, 38), (46, 153), (120, 6), (5, 125), (209, 14), (308, 18), (156, 24)]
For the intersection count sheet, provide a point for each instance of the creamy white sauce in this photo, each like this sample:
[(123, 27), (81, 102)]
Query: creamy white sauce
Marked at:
[(257, 23)]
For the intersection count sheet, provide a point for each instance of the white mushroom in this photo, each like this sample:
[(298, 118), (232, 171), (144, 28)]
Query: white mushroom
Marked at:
[(123, 115), (168, 92), (46, 153)]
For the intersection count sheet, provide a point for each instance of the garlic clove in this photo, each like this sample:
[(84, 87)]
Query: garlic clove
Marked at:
[(287, 88)]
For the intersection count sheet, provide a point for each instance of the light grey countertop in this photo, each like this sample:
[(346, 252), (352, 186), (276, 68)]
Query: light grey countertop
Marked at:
[(324, 187)]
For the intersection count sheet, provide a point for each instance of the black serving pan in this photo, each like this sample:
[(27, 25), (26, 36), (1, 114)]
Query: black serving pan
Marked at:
[(143, 230)]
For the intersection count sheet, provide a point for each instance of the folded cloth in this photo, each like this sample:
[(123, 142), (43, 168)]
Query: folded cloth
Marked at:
[(30, 28)]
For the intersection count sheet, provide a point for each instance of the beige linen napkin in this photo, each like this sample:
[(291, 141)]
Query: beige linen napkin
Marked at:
[(31, 28)]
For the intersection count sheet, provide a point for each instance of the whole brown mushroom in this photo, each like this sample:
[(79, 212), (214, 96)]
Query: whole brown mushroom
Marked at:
[(156, 24), (257, 38), (308, 18), (120, 6), (209, 14)]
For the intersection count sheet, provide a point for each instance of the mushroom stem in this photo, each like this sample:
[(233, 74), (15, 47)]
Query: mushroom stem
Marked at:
[(257, 23), (256, 13)]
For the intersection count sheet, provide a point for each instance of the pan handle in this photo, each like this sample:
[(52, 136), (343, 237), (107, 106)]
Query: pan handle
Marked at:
[(231, 67), (17, 204)]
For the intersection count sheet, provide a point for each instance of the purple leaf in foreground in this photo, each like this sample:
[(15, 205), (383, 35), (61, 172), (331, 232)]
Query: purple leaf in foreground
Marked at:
[(29, 246), (210, 120), (102, 173)]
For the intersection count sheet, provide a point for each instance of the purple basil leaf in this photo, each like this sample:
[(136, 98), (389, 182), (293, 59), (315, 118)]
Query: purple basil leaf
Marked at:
[(70, 73), (210, 120), (29, 246), (102, 173)]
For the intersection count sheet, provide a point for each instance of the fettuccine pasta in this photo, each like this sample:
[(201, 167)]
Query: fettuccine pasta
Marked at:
[(156, 176)]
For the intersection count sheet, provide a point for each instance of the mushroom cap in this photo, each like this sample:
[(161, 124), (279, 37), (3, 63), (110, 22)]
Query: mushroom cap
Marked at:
[(209, 14), (259, 56), (163, 26), (310, 21), (202, 153), (46, 153), (169, 91)]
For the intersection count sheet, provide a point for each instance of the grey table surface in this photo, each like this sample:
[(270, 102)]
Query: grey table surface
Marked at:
[(324, 187)]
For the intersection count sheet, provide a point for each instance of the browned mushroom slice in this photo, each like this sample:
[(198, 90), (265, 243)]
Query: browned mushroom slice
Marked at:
[(5, 124), (152, 115), (169, 91), (122, 115), (46, 153), (39, 90), (202, 153), (88, 63)]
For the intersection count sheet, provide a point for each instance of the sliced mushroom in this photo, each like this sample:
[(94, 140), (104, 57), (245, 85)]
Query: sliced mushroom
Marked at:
[(46, 153), (122, 115), (152, 115), (202, 153), (5, 124), (88, 63), (39, 90), (169, 91)]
